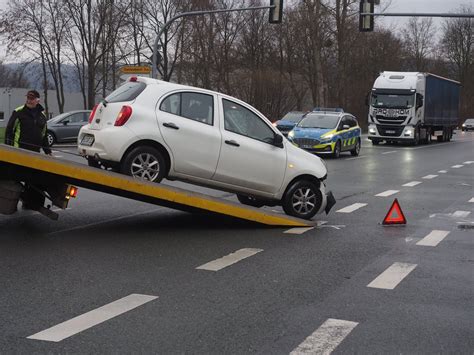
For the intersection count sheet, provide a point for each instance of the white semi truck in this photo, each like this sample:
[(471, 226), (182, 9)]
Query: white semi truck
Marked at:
[(413, 107)]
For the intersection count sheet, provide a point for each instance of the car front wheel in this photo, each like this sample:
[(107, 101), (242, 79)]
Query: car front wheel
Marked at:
[(50, 138), (145, 163), (302, 199)]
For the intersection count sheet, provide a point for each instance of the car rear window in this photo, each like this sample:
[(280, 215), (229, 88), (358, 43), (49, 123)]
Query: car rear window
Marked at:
[(127, 92)]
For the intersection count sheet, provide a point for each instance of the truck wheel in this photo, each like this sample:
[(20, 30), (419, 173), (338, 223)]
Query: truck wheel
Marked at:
[(144, 163), (355, 152), (375, 142), (337, 150), (250, 201), (416, 139), (302, 199)]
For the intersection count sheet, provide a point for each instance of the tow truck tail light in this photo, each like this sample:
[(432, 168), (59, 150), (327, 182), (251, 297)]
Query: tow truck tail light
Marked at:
[(91, 116), (71, 192), (123, 116)]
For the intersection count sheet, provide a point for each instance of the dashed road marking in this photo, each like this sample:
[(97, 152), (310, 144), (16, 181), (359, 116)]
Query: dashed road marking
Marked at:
[(457, 166), (461, 214), (471, 200), (298, 230), (390, 152), (442, 171), (230, 259), (359, 157), (352, 208), (88, 320), (433, 239), (326, 338), (412, 183), (428, 177), (57, 156), (387, 193), (468, 162), (391, 277)]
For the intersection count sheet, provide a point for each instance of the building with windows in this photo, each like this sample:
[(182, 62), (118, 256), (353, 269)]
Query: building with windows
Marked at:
[(11, 98)]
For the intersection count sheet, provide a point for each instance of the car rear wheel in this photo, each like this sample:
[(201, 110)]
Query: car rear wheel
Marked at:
[(302, 199), (250, 201), (355, 152), (51, 138), (144, 163), (337, 150)]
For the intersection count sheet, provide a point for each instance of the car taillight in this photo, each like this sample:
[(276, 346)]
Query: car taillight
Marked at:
[(123, 116), (91, 116)]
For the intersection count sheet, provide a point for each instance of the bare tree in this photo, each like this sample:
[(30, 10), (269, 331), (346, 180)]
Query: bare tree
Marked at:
[(419, 41)]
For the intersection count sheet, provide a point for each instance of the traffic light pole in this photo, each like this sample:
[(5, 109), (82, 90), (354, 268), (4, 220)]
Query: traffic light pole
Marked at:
[(398, 14), (192, 13)]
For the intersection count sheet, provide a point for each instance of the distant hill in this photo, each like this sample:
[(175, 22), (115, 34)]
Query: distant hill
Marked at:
[(34, 75)]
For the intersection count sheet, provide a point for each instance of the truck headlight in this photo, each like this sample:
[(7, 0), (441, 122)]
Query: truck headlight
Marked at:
[(372, 130)]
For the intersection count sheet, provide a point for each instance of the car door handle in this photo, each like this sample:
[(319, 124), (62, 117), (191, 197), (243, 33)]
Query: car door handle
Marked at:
[(232, 142), (170, 125)]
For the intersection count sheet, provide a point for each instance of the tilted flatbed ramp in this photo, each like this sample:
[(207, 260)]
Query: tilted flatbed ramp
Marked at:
[(22, 165)]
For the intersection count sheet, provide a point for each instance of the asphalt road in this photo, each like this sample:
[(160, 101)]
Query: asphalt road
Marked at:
[(118, 276)]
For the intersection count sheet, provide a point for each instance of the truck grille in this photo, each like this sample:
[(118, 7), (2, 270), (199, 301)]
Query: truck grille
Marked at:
[(391, 120), (306, 142), (390, 131)]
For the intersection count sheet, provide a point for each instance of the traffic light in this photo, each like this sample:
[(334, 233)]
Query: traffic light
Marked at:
[(276, 13), (366, 22)]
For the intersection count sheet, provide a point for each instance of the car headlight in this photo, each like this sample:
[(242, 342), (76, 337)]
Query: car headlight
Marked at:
[(291, 134), (464, 125), (327, 138)]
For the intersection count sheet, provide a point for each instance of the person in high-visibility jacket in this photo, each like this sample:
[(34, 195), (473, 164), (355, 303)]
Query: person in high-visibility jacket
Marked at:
[(27, 125)]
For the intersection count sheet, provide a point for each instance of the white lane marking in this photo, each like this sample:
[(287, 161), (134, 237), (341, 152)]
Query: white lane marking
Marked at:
[(471, 200), (429, 177), (326, 338), (387, 193), (57, 156), (433, 239), (457, 166), (461, 214), (412, 183), (359, 157), (390, 152), (298, 230), (442, 171), (352, 208), (390, 278), (92, 318), (230, 259), (468, 162)]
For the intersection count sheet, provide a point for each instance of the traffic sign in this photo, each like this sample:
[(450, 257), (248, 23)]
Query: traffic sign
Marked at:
[(394, 215), (135, 69)]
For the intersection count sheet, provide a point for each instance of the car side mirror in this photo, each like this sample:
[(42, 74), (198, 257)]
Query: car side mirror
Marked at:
[(278, 141), (346, 126), (65, 123)]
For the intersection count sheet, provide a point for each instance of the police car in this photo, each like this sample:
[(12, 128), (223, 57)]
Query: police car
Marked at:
[(327, 132)]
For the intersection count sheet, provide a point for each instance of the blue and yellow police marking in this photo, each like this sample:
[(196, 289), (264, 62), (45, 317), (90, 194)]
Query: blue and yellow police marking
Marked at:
[(107, 181)]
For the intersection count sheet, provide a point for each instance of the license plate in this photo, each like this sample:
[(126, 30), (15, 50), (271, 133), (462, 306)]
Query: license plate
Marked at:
[(87, 140), (388, 131)]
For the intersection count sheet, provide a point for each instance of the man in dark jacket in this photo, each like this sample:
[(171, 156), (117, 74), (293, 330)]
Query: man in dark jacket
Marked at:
[(27, 129), (27, 125)]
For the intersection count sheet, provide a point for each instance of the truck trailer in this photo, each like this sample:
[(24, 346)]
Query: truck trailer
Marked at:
[(413, 107)]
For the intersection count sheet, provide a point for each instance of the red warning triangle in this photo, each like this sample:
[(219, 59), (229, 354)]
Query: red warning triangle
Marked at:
[(395, 215)]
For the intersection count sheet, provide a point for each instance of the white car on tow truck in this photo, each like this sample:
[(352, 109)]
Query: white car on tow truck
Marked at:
[(151, 129)]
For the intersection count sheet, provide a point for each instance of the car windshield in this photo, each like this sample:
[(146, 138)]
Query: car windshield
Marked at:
[(393, 100), (293, 116), (319, 121)]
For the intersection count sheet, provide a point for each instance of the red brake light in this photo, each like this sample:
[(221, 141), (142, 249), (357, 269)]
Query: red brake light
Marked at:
[(91, 116), (123, 116), (133, 78)]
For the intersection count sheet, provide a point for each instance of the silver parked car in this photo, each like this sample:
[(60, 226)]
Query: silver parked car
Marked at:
[(65, 127)]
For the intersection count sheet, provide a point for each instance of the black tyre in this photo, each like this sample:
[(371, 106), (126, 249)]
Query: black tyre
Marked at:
[(337, 150), (144, 163), (302, 199), (93, 163), (416, 139), (355, 152), (250, 201), (51, 138)]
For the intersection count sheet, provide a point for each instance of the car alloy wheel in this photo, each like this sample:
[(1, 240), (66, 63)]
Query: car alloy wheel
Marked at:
[(303, 199), (145, 163), (355, 152), (50, 138)]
